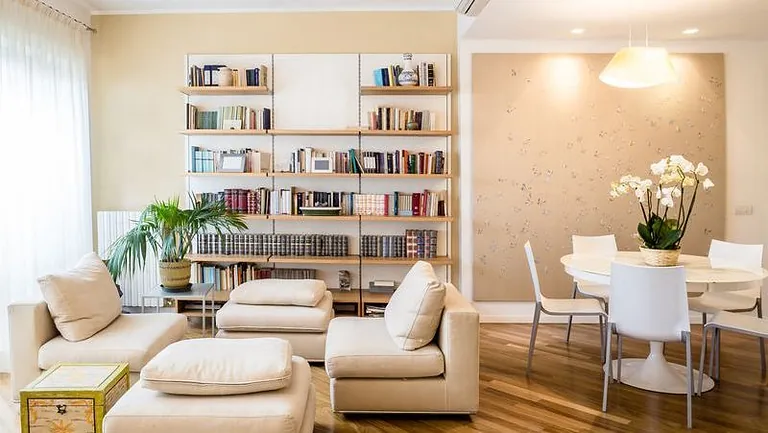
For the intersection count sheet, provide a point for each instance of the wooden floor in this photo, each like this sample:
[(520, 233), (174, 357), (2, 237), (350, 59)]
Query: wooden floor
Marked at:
[(564, 392)]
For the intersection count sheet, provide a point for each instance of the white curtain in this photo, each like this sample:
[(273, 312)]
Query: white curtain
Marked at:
[(45, 184)]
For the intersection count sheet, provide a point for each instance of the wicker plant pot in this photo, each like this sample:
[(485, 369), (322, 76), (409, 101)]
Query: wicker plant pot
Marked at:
[(653, 257), (174, 276)]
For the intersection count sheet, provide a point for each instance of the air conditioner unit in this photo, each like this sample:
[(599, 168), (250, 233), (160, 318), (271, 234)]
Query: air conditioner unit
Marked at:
[(470, 7)]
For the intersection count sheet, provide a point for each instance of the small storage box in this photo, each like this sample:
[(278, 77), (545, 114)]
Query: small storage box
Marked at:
[(72, 398)]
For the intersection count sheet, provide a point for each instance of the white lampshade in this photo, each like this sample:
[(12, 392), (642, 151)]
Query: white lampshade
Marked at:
[(639, 67)]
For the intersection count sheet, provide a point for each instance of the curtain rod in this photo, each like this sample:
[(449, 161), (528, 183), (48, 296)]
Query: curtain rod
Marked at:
[(64, 14)]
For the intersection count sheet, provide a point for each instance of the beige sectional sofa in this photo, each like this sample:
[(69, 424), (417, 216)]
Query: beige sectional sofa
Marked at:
[(370, 373)]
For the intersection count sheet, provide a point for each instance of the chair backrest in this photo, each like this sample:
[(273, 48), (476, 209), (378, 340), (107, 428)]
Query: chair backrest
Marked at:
[(649, 303), (604, 245), (730, 255), (534, 273)]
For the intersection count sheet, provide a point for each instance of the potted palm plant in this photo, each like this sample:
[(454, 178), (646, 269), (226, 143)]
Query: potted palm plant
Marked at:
[(168, 231)]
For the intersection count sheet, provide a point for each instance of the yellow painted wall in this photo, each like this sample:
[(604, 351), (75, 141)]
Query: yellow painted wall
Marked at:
[(138, 64)]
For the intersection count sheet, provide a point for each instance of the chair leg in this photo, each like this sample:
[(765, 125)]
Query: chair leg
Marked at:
[(716, 348), (602, 338), (607, 367), (704, 332), (761, 340), (570, 318), (619, 340), (534, 329), (712, 354), (703, 319), (689, 365)]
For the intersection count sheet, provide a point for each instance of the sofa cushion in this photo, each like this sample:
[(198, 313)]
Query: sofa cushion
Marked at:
[(207, 366), (82, 300), (413, 313), (285, 318), (362, 348), (305, 293), (280, 411), (132, 338)]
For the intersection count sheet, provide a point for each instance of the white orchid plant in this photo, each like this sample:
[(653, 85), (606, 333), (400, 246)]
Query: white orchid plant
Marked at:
[(678, 183)]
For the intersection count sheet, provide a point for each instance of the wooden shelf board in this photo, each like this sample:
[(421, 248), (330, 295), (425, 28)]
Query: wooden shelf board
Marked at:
[(189, 174), (314, 217), (405, 175), (228, 90), (195, 313), (314, 131), (405, 90), (344, 260), (374, 298), (223, 132), (221, 258), (346, 296), (404, 261), (288, 174), (406, 133), (406, 218), (254, 217)]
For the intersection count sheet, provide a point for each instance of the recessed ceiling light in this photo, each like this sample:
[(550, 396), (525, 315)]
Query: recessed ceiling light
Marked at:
[(577, 31), (691, 31)]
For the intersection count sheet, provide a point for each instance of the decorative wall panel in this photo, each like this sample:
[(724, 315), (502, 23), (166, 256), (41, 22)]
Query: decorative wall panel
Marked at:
[(549, 138)]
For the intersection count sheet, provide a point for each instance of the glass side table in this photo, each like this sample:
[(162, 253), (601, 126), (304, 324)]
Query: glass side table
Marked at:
[(202, 292)]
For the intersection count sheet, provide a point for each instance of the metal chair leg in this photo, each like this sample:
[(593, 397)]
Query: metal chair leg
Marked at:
[(570, 318), (761, 340), (602, 338), (689, 365), (703, 319), (704, 332), (716, 348), (712, 354), (607, 367), (619, 340), (534, 329)]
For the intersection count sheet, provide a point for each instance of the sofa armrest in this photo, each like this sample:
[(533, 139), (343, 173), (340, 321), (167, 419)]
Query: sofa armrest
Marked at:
[(30, 326), (458, 338)]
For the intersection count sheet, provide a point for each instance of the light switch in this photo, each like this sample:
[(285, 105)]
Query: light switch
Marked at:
[(744, 210)]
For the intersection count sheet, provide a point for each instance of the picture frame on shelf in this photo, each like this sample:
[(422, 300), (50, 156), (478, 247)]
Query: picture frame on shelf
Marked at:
[(232, 163), (233, 124), (322, 165)]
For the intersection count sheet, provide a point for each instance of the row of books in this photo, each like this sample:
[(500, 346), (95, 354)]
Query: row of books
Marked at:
[(210, 75), (309, 160), (404, 162), (427, 203), (401, 119), (416, 243), (282, 244), (229, 117), (203, 160), (374, 310), (388, 76), (230, 276)]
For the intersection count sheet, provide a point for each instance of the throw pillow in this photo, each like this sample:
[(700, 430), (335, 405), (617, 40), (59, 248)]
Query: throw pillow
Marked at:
[(415, 309), (83, 300), (305, 293), (207, 366)]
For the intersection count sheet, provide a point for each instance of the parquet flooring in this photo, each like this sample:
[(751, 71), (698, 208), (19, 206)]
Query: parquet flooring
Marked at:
[(564, 391)]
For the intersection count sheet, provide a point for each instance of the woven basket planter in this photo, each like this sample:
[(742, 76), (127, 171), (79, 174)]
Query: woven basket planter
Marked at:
[(175, 275), (653, 257)]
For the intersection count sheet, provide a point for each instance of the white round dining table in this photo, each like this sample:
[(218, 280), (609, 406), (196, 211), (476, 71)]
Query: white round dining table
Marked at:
[(655, 373)]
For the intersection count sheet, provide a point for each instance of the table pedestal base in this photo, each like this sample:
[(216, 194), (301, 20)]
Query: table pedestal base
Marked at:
[(656, 374)]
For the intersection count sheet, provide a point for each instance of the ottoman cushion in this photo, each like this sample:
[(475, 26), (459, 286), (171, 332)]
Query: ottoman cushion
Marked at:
[(273, 291), (284, 410), (287, 318), (361, 347), (206, 366)]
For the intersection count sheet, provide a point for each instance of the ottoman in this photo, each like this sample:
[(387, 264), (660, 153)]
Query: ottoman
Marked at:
[(276, 308), (290, 409)]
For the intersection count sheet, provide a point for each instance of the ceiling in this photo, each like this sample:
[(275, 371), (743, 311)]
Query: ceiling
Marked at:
[(103, 7), (610, 19)]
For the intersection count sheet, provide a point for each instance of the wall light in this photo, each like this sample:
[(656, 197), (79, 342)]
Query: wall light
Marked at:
[(577, 31), (691, 31)]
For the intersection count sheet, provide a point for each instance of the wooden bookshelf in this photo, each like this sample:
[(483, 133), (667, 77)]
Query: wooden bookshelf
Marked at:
[(375, 298), (255, 217), (217, 132), (346, 296), (224, 90), (319, 260), (404, 261), (315, 132), (314, 217), (404, 133), (397, 218), (404, 176), (319, 175), (226, 174), (221, 258), (404, 90)]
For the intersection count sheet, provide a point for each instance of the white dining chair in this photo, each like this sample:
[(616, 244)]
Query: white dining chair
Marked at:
[(557, 307), (604, 245), (651, 304), (740, 299), (739, 323)]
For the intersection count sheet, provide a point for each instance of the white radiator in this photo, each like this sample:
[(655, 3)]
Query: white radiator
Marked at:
[(112, 225)]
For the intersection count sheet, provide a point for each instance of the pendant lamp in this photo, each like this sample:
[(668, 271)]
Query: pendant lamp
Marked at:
[(639, 67)]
